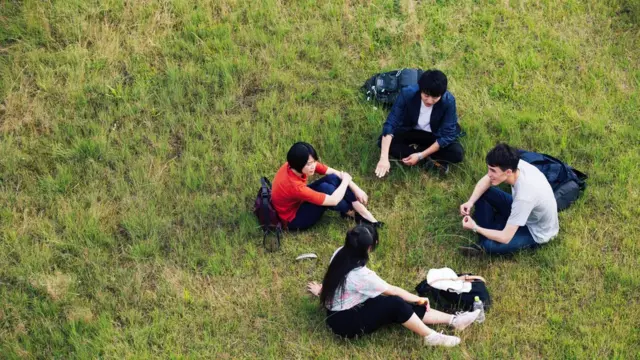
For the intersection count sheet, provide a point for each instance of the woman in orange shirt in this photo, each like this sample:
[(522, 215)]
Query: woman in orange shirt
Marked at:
[(301, 205)]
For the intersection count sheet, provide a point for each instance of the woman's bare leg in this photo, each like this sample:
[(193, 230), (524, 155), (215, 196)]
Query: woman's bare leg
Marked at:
[(437, 317), (362, 210), (414, 324)]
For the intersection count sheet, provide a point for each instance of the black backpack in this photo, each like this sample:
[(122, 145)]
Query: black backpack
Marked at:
[(385, 87), (567, 183), (451, 301), (267, 216)]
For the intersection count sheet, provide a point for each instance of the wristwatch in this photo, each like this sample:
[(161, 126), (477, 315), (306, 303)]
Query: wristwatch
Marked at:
[(475, 228), (420, 157)]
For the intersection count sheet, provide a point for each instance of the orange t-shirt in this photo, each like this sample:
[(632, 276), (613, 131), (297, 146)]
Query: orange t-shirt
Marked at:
[(289, 191)]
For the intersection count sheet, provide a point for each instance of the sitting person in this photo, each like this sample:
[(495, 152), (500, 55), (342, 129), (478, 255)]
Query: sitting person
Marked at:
[(358, 301), (422, 125), (300, 205), (508, 223)]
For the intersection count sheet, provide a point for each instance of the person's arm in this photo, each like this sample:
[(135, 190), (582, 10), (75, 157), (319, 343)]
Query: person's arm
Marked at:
[(314, 288), (357, 191), (406, 296), (416, 157), (384, 165), (520, 210), (394, 120), (307, 194), (430, 150), (503, 236), (481, 187), (395, 117), (338, 194)]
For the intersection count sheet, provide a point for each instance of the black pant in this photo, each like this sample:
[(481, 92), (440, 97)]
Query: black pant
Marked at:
[(371, 315), (400, 146)]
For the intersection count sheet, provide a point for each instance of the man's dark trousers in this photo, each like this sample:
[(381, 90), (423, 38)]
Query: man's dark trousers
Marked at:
[(402, 141)]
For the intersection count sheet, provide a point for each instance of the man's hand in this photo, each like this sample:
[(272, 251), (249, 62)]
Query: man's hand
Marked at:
[(411, 159), (361, 196), (314, 288), (465, 209), (383, 167), (468, 223)]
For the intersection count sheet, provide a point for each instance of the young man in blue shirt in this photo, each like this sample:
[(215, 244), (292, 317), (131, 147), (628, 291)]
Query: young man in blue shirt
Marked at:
[(422, 125)]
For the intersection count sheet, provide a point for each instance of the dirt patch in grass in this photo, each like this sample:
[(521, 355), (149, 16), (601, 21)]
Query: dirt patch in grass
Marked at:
[(56, 285)]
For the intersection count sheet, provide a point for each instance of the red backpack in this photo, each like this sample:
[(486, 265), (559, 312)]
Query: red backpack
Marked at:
[(267, 216)]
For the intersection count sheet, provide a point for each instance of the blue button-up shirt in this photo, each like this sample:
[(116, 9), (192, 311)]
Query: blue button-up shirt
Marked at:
[(406, 111)]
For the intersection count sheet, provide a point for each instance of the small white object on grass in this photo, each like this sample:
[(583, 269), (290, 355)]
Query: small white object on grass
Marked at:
[(307, 256)]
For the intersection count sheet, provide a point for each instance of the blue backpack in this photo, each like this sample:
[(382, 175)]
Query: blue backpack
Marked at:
[(567, 183)]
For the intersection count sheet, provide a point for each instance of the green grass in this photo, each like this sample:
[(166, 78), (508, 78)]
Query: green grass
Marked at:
[(133, 135)]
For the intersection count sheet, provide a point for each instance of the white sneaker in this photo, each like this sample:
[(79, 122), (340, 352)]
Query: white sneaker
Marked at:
[(462, 320), (439, 339)]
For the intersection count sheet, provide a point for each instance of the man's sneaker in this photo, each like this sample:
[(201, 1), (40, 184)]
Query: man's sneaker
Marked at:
[(471, 250), (439, 339), (431, 165), (463, 319)]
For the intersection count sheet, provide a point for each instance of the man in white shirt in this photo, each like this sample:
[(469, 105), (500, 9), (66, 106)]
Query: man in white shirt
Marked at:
[(422, 127), (508, 223)]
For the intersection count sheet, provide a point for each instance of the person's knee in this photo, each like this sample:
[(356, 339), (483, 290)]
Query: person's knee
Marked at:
[(483, 199), (333, 179), (491, 193), (456, 153), (401, 311), (326, 188)]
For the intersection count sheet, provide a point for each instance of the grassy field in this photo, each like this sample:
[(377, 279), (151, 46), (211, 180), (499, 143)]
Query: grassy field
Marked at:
[(134, 133)]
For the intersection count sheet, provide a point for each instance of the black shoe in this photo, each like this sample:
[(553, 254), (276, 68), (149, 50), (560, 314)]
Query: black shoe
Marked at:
[(441, 167), (471, 250), (360, 220)]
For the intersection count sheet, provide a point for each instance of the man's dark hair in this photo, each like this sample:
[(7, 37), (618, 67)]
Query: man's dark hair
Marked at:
[(433, 83), (503, 156), (298, 155)]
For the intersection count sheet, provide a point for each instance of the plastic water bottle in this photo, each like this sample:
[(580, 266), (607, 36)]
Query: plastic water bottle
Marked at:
[(477, 304)]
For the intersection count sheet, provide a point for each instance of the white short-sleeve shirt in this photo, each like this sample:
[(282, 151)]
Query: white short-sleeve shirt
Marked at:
[(534, 204)]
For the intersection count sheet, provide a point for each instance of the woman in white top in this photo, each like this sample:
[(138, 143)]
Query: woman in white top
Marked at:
[(358, 301)]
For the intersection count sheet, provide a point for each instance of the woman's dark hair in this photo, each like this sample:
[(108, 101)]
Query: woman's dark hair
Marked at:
[(298, 155), (433, 83), (354, 254), (503, 156)]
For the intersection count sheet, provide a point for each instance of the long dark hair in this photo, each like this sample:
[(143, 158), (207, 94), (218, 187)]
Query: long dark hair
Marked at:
[(354, 254)]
